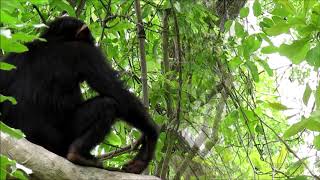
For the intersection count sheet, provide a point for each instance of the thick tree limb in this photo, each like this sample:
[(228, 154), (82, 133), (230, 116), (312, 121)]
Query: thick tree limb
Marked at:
[(49, 166)]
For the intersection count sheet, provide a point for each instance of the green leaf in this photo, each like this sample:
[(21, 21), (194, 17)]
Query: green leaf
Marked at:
[(239, 30), (316, 142), (286, 5), (147, 10), (7, 19), (306, 94), (256, 8), (3, 173), (63, 5), (266, 67), (313, 122), (114, 139), (296, 51), (177, 6), (278, 106), (9, 45), (12, 132), (254, 70), (227, 25), (23, 37), (296, 168), (317, 97), (313, 56), (278, 29), (235, 62), (6, 67), (5, 98), (5, 161), (294, 129), (250, 45), (267, 23), (244, 12), (39, 2), (280, 11), (281, 157), (269, 50), (10, 5), (307, 4), (19, 175)]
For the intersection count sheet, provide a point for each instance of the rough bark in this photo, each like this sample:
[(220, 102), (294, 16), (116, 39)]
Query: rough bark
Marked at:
[(48, 166), (142, 36)]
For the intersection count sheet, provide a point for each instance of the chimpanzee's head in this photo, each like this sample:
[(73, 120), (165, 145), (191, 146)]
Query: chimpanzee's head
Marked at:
[(68, 29)]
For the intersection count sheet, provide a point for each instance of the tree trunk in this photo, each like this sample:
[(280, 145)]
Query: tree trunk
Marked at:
[(141, 37)]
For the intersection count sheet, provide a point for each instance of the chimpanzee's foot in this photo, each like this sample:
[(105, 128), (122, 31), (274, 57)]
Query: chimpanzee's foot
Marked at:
[(136, 166), (82, 160)]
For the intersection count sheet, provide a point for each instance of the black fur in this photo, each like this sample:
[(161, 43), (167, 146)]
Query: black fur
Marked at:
[(51, 111)]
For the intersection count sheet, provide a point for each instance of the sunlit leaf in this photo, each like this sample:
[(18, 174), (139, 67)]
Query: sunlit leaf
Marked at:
[(254, 70), (9, 45), (294, 129), (19, 175), (256, 8), (9, 5), (296, 168), (281, 157), (313, 56), (307, 5), (23, 37), (313, 122), (244, 12), (114, 139), (6, 18), (6, 67), (227, 25), (278, 106), (235, 62), (39, 2), (269, 50), (7, 98), (266, 67), (317, 96), (63, 5), (299, 47), (306, 94), (316, 142), (278, 29), (12, 132), (239, 29), (250, 45)]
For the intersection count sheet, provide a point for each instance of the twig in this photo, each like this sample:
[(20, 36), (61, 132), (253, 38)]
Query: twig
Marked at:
[(80, 7), (128, 148), (41, 16)]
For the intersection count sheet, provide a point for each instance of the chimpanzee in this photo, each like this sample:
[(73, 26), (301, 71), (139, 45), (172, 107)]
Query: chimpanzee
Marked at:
[(51, 110)]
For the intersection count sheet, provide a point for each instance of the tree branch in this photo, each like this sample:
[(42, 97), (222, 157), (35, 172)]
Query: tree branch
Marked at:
[(49, 166)]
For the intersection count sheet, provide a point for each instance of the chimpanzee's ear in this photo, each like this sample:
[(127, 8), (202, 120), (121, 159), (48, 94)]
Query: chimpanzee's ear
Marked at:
[(83, 33)]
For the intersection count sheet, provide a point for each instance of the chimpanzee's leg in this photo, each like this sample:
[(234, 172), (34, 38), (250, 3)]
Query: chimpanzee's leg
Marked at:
[(149, 140), (92, 121)]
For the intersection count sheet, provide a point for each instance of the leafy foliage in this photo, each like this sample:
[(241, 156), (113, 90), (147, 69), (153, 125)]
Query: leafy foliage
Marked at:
[(234, 122)]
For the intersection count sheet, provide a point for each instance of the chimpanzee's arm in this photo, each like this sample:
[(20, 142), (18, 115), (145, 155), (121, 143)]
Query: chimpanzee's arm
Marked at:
[(102, 78)]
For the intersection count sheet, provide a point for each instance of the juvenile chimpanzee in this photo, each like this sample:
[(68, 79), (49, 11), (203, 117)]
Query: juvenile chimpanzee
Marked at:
[(51, 111)]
